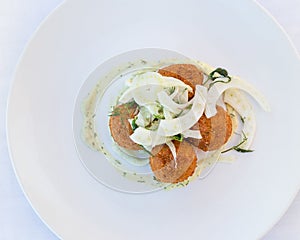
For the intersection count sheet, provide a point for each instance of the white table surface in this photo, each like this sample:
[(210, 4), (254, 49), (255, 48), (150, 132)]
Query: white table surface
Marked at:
[(18, 21)]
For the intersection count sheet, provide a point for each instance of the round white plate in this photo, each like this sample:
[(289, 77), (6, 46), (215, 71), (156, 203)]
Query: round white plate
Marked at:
[(237, 201)]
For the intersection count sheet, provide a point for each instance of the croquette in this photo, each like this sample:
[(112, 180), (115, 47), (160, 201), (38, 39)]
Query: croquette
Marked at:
[(120, 128), (188, 73), (215, 131), (163, 164)]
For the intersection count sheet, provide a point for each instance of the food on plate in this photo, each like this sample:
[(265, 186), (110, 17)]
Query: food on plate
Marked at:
[(166, 169), (188, 73), (119, 126), (176, 120), (180, 110), (215, 131)]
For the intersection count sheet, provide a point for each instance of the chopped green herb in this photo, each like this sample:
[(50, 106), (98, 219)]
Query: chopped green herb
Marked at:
[(158, 116), (160, 109), (118, 162), (133, 124), (171, 90), (178, 137), (237, 147), (153, 125), (243, 119), (221, 74), (243, 150), (179, 114), (221, 71), (189, 106), (160, 112)]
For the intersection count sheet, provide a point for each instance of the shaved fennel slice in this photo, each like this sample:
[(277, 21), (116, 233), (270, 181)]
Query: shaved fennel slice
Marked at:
[(240, 103), (147, 94), (151, 79), (220, 102), (147, 137), (153, 108), (234, 119), (143, 118), (213, 96), (192, 134), (217, 89), (182, 97), (156, 78), (178, 125), (166, 101), (167, 114), (174, 93), (173, 151)]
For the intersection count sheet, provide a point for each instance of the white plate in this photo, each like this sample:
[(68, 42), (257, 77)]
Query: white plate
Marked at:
[(238, 201)]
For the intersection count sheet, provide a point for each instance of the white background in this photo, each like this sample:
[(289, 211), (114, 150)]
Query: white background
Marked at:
[(18, 21)]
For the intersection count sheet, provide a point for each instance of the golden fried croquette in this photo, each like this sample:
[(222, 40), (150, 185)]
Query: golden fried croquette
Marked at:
[(188, 73), (215, 131), (163, 165), (120, 127)]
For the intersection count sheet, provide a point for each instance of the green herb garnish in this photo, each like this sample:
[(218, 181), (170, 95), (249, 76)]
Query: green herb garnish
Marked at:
[(221, 71), (243, 119), (221, 74), (179, 114), (160, 112), (171, 90), (189, 106), (118, 162), (237, 147), (178, 137), (133, 124), (160, 109), (158, 116), (243, 150)]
